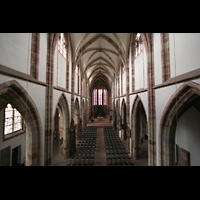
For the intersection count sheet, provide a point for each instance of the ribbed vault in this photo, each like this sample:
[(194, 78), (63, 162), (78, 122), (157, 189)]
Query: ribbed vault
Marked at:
[(100, 56)]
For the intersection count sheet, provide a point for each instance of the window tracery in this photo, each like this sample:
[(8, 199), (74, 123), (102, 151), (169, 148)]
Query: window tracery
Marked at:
[(138, 45), (100, 97), (61, 45), (13, 120)]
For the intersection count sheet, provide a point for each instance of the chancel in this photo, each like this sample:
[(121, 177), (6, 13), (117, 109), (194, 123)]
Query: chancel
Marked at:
[(99, 99)]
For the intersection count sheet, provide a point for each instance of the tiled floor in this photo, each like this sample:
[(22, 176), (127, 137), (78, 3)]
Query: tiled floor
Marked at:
[(100, 153)]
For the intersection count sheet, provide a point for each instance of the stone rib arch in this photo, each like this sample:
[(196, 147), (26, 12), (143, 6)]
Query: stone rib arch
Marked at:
[(79, 53), (95, 60), (186, 95), (12, 92), (95, 52), (62, 104), (135, 147)]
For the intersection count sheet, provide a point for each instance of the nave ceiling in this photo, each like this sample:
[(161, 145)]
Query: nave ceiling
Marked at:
[(99, 55)]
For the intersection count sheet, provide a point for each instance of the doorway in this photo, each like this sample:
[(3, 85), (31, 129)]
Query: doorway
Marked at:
[(16, 156)]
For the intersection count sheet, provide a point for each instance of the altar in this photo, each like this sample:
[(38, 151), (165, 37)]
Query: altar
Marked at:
[(100, 118)]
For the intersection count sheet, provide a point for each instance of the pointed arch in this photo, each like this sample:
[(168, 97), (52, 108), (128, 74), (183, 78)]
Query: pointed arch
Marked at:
[(13, 93), (186, 95), (123, 118), (135, 133), (76, 111), (63, 107)]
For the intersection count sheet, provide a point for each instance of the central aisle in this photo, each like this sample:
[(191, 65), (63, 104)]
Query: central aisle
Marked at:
[(100, 152)]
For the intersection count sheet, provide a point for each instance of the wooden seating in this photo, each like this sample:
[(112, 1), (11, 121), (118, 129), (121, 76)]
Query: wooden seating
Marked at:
[(115, 151), (85, 148)]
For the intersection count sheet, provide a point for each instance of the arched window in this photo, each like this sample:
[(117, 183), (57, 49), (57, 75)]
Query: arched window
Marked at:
[(138, 45), (61, 45), (104, 97), (100, 97), (13, 121), (95, 97)]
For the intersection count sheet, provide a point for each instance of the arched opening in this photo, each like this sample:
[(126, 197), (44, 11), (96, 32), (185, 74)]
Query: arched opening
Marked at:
[(100, 102), (177, 111), (77, 120), (123, 122), (13, 93), (114, 116), (83, 118), (61, 135), (139, 131)]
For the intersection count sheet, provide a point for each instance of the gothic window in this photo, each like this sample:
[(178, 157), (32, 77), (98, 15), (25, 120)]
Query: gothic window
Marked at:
[(138, 45), (77, 79), (61, 45), (100, 97), (95, 97), (13, 120), (104, 97), (76, 69)]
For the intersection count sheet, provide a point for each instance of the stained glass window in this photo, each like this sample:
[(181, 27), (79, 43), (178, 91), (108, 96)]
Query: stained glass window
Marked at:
[(100, 97), (138, 44), (95, 97), (61, 45), (13, 120), (104, 97)]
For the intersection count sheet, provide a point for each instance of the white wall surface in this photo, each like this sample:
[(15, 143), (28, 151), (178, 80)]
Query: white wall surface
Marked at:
[(130, 73), (124, 82), (186, 52), (70, 70), (55, 70), (15, 51), (157, 58), (43, 57)]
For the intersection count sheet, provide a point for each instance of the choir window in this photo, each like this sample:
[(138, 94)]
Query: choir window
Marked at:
[(13, 121), (100, 97), (104, 97), (61, 45), (95, 97)]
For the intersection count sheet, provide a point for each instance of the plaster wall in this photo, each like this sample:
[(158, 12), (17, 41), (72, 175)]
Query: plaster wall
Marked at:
[(157, 58), (43, 57), (184, 52), (15, 51)]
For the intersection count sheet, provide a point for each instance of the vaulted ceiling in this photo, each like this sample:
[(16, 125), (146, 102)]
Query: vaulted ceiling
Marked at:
[(100, 55)]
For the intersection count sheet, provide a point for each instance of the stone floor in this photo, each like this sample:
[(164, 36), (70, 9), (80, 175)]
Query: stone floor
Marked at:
[(100, 153)]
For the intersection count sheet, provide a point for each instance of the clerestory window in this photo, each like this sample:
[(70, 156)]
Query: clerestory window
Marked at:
[(138, 45), (61, 45), (100, 97)]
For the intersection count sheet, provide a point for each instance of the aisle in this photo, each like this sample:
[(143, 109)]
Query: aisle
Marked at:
[(100, 153)]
